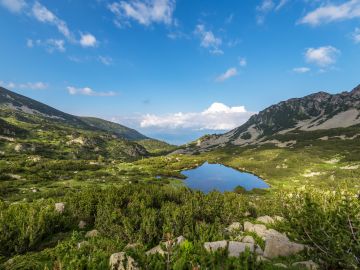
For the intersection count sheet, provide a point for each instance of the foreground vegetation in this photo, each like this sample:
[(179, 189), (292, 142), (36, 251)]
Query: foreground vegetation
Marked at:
[(144, 215)]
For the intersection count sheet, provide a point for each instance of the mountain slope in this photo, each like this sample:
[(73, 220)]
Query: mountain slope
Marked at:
[(30, 127), (315, 112)]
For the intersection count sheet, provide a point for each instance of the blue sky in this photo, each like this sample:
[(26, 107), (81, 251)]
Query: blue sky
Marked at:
[(176, 69)]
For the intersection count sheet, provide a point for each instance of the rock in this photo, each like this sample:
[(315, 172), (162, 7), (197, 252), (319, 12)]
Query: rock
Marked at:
[(281, 265), (132, 246), (121, 261), (259, 250), (248, 239), (213, 246), (265, 220), (259, 229), (92, 233), (261, 259), (180, 240), (82, 244), (236, 226), (236, 248), (60, 207), (271, 233), (306, 265), (156, 250), (82, 224), (278, 219), (276, 247)]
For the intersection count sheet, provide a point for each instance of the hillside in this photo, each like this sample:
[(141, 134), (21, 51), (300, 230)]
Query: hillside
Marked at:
[(30, 127), (288, 121)]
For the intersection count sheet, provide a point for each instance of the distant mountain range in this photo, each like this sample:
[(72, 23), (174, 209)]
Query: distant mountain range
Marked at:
[(38, 126), (316, 113)]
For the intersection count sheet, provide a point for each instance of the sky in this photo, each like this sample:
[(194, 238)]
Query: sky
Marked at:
[(177, 69)]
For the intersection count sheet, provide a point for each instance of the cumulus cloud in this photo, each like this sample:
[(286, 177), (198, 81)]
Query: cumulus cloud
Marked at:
[(88, 40), (87, 91), (301, 70), (15, 6), (145, 12), (217, 117), (356, 35), (231, 72), (331, 12), (25, 86), (267, 6), (208, 39), (322, 56)]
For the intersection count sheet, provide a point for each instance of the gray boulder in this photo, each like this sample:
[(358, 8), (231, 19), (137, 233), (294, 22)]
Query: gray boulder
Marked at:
[(280, 265), (236, 248), (265, 220), (307, 265), (276, 247), (248, 239), (156, 250), (92, 233), (60, 207), (121, 261), (235, 226), (213, 246)]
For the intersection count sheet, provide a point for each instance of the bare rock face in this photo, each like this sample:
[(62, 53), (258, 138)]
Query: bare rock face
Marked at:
[(60, 207), (236, 248), (213, 246), (121, 261), (276, 247), (307, 265)]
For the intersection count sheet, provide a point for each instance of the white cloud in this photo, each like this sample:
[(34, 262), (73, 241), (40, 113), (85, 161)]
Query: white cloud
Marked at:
[(15, 6), (231, 72), (322, 56), (217, 117), (331, 12), (281, 4), (51, 45), (87, 91), (301, 69), (263, 9), (88, 40), (356, 35), (26, 86), (208, 39), (242, 62), (106, 60), (144, 12), (42, 14)]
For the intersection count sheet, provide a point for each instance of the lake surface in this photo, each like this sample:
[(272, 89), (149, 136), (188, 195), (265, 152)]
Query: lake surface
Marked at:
[(209, 177)]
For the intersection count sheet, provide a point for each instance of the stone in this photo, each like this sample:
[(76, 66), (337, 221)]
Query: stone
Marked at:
[(60, 207), (265, 220), (248, 239), (82, 244), (259, 251), (82, 224), (121, 261), (280, 265), (278, 219), (306, 265), (156, 250), (213, 246), (276, 247), (236, 248), (235, 226), (92, 233), (259, 229), (179, 240), (261, 259)]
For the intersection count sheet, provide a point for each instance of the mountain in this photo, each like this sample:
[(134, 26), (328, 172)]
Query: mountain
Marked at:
[(313, 113), (35, 128)]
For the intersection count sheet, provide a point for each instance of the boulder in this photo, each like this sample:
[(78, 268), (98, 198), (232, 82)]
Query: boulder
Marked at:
[(60, 207), (306, 265), (278, 219), (259, 229), (248, 239), (276, 247), (236, 248), (235, 226), (156, 250), (92, 233), (265, 220), (82, 224), (213, 246), (261, 258), (259, 251), (179, 240), (121, 261)]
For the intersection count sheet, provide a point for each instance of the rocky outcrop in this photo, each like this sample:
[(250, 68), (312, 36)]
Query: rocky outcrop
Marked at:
[(121, 261), (214, 246)]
